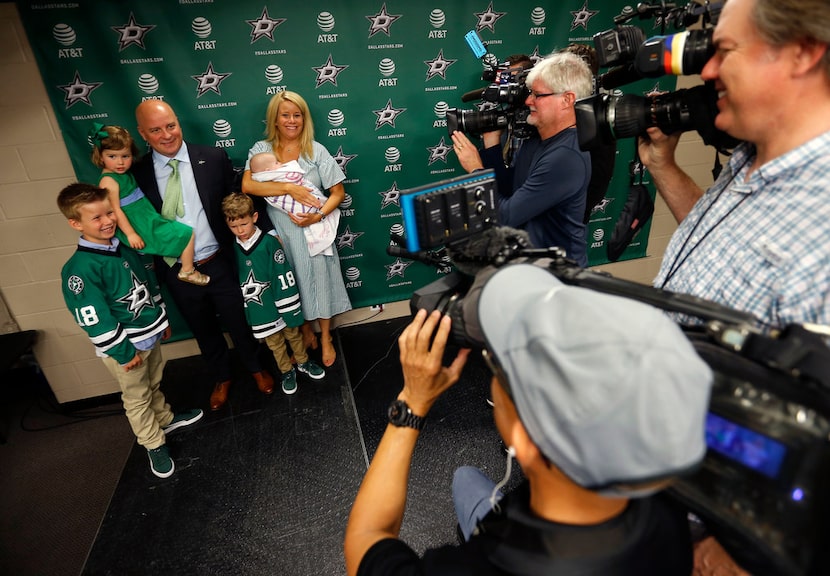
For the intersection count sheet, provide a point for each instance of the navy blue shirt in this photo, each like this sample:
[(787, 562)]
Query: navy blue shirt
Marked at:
[(544, 191)]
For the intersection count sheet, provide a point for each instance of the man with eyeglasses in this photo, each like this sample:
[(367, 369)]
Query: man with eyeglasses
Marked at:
[(544, 190), (602, 402)]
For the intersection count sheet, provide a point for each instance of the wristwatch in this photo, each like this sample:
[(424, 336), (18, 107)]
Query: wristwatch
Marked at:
[(400, 414)]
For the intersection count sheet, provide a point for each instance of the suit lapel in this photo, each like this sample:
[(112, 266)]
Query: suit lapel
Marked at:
[(201, 176), (146, 176)]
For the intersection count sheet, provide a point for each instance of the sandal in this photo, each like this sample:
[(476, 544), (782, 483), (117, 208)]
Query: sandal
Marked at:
[(194, 277)]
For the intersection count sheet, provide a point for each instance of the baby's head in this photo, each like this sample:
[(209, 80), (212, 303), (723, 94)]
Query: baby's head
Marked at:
[(263, 162)]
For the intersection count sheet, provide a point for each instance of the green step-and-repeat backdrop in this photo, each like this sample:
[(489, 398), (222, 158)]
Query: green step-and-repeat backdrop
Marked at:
[(378, 77)]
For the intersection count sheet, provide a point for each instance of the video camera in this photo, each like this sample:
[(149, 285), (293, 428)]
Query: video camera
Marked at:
[(502, 102), (762, 489), (603, 118)]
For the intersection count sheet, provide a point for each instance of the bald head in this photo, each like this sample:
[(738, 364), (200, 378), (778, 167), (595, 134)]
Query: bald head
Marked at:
[(159, 126)]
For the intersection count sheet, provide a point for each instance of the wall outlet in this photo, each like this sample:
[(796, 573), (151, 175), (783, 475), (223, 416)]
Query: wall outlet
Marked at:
[(376, 308)]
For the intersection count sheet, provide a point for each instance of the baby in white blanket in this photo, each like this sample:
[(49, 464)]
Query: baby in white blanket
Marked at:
[(321, 235)]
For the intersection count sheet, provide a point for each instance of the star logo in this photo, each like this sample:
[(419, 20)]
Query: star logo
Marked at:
[(603, 204), (264, 26), (138, 298), (78, 91), (391, 196), (381, 21), (397, 268), (582, 16), (535, 57), (210, 80), (488, 19), (328, 72), (347, 238), (387, 115), (343, 159), (438, 152), (252, 289), (438, 66), (131, 33), (654, 89)]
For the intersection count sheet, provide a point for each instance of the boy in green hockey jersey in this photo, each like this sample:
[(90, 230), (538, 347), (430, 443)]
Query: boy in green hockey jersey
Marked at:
[(269, 289), (115, 299)]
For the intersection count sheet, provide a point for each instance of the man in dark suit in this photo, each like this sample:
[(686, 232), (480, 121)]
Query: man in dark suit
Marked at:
[(206, 175)]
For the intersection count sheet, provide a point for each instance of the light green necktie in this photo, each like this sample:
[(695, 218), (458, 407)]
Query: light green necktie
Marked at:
[(173, 203)]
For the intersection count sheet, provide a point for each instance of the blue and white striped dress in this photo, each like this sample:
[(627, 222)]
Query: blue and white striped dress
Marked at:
[(322, 290)]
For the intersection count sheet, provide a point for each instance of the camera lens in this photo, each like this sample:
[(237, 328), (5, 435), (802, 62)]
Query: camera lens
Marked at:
[(513, 93), (475, 122)]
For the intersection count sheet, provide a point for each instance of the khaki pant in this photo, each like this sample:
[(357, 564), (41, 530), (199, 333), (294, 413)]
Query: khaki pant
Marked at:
[(146, 408), (276, 343)]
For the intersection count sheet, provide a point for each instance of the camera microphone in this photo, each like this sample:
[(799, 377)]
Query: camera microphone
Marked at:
[(472, 95)]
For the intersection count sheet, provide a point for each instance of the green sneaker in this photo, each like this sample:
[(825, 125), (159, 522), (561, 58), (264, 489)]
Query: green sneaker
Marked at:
[(312, 370), (289, 382), (183, 419), (160, 462)]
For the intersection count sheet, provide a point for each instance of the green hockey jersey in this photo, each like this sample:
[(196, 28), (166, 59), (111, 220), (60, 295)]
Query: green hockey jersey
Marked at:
[(269, 289), (115, 299)]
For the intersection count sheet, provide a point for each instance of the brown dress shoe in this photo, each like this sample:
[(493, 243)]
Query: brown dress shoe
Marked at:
[(219, 395), (264, 381)]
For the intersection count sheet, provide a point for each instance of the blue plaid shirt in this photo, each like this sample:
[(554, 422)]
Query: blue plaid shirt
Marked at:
[(761, 246)]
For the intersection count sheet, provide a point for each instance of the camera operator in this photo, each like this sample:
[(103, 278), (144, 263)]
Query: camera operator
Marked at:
[(600, 399), (544, 190), (757, 240)]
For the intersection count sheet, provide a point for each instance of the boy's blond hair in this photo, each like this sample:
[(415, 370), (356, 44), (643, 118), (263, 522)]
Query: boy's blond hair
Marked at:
[(236, 206), (78, 194)]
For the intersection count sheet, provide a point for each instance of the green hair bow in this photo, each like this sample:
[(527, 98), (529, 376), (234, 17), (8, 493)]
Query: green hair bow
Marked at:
[(97, 134)]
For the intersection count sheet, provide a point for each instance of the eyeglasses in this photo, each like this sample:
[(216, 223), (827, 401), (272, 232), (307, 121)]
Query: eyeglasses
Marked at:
[(537, 95)]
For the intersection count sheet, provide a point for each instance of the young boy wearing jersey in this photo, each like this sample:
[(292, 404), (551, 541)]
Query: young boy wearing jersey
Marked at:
[(115, 299), (269, 289)]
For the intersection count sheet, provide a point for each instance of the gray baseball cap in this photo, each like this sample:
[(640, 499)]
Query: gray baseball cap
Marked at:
[(609, 388)]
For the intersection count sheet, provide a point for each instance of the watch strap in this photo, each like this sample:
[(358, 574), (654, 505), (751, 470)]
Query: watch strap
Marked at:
[(401, 415)]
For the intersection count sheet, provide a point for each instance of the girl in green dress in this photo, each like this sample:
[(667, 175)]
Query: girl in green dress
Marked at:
[(139, 224)]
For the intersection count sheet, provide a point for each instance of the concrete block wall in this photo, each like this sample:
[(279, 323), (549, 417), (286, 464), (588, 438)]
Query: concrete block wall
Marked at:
[(35, 239)]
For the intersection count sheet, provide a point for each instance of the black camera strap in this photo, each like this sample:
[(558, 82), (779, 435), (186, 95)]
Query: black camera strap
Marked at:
[(682, 251)]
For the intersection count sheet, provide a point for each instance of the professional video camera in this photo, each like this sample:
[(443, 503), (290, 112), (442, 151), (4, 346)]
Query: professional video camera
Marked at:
[(607, 117), (502, 102), (762, 488), (507, 94)]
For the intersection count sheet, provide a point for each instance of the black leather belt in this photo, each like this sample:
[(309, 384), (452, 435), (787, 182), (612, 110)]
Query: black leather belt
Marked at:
[(206, 260)]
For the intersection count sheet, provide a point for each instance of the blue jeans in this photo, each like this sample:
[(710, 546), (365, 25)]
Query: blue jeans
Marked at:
[(471, 491)]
